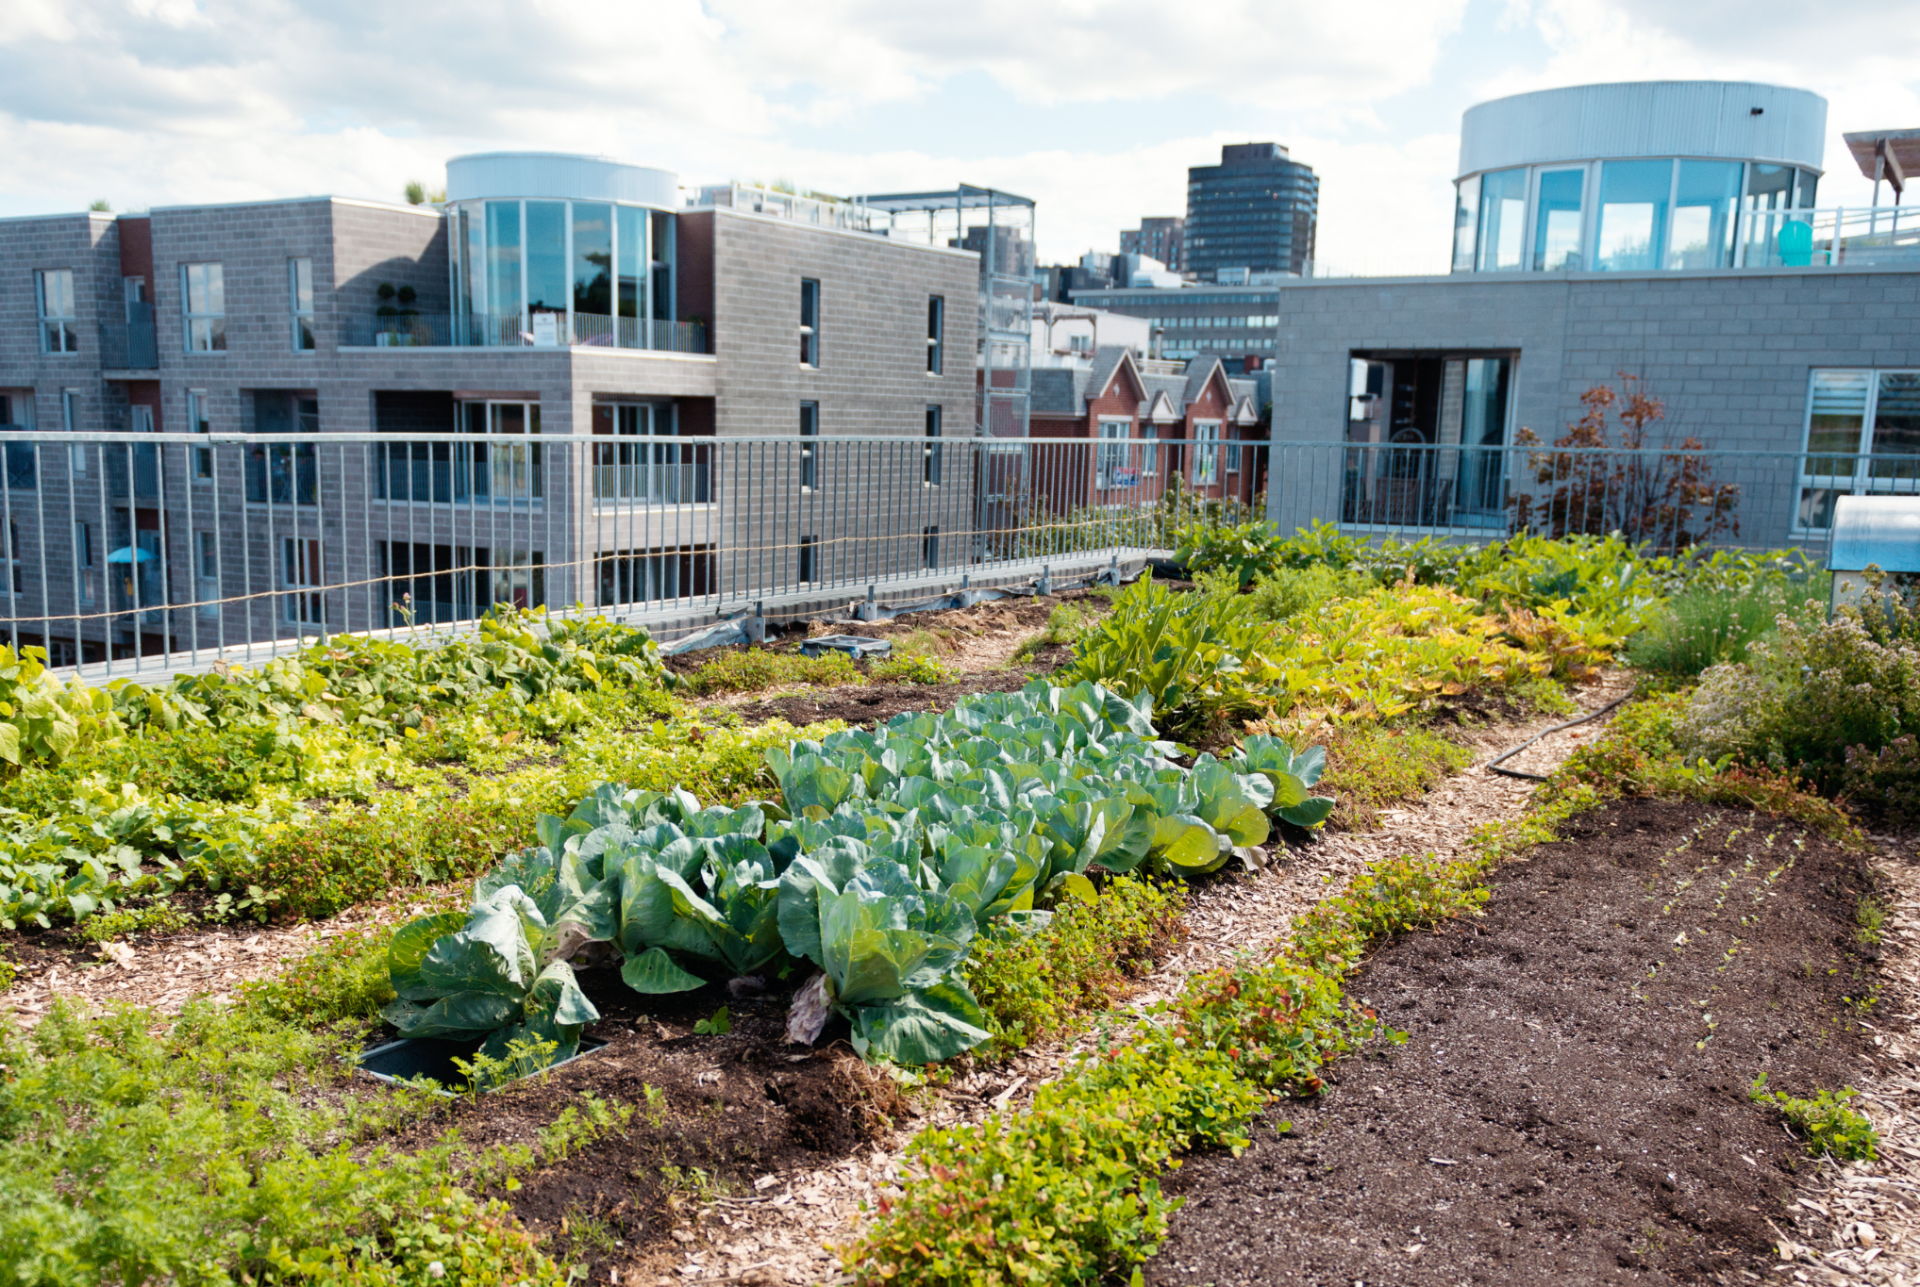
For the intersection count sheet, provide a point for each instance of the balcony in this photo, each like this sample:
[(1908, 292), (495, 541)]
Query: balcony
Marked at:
[(517, 330), (129, 345)]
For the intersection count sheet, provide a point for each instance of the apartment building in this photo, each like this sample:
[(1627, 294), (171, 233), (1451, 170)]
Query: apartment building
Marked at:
[(520, 397)]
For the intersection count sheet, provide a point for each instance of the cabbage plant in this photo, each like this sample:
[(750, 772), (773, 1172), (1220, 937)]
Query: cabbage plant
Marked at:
[(1293, 777)]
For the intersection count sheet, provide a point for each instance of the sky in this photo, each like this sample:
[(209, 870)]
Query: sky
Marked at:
[(1093, 108)]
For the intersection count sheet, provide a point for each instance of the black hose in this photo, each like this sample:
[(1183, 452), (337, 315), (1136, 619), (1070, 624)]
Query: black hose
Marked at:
[(1494, 764)]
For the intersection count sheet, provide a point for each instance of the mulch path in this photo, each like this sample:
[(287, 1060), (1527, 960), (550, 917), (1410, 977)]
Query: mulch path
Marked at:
[(1570, 1105)]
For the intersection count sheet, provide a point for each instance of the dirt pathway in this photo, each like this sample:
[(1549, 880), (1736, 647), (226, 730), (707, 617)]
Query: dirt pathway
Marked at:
[(779, 1234)]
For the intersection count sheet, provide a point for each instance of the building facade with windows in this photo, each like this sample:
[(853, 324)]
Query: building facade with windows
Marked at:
[(1257, 211), (1163, 238), (1188, 321), (481, 403), (1667, 232)]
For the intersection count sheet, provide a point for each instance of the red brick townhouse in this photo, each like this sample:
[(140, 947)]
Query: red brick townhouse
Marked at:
[(1145, 421)]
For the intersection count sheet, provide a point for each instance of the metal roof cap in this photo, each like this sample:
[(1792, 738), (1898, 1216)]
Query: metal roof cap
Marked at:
[(1881, 530)]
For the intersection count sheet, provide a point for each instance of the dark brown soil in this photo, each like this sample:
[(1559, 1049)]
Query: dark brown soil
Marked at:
[(1571, 1103), (869, 704), (735, 1107)]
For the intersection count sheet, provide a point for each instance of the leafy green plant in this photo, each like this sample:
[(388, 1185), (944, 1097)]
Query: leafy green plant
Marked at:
[(1370, 768), (344, 977), (716, 1025), (1293, 777), (1825, 1122), (1707, 626), (1285, 592), (750, 670), (1244, 552), (1186, 651), (488, 972), (1032, 981), (522, 1057), (911, 668)]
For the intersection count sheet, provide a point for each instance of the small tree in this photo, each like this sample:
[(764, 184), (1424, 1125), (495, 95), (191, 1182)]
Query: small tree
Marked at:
[(1649, 493)]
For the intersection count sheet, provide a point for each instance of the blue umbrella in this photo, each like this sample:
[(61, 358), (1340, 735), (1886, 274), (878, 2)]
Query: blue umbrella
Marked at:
[(128, 554)]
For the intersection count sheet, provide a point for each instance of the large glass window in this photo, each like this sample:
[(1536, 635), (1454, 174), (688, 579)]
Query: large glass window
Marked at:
[(1633, 215), (1863, 434), (633, 262), (1556, 220), (503, 302), (1483, 431), (1769, 187), (203, 307), (1704, 200), (1206, 453), (59, 325), (593, 259), (1503, 220), (547, 283)]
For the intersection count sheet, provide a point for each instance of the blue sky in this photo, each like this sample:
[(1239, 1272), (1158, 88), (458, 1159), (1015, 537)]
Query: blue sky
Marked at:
[(1093, 107)]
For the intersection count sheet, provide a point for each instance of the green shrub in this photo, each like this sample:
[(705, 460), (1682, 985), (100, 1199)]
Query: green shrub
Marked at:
[(751, 670), (1706, 626), (1032, 985), (1885, 784), (1244, 552), (1803, 698), (1065, 624), (1370, 768), (1286, 592), (1825, 1122)]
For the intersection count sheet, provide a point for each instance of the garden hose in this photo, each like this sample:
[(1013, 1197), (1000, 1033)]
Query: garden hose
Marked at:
[(1494, 763)]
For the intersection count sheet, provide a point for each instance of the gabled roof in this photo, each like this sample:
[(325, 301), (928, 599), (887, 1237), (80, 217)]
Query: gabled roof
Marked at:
[(1107, 361), (1199, 371), (1164, 411)]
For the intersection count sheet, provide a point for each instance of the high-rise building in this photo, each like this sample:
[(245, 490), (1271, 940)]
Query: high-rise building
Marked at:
[(1160, 238), (1256, 210)]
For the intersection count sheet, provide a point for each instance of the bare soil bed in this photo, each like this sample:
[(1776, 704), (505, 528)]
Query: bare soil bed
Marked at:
[(1571, 1103)]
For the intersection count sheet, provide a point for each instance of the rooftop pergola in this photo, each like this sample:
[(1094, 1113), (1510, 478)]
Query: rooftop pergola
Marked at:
[(1886, 154)]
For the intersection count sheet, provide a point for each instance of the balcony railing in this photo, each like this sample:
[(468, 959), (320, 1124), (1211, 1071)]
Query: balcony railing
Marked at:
[(1872, 236), (129, 345), (515, 330)]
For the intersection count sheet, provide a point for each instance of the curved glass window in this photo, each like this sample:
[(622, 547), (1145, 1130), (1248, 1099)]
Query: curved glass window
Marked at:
[(1633, 215), (547, 286), (503, 269), (1804, 189), (633, 260), (1704, 202), (1503, 220), (593, 258), (1556, 220), (1769, 187), (1466, 208)]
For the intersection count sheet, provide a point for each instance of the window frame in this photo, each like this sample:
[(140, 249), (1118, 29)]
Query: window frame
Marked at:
[(200, 420), (67, 324), (77, 454), (83, 569), (1861, 479), (303, 593), (1206, 453), (809, 445), (206, 552), (301, 319), (933, 451), (214, 320), (936, 334), (810, 323), (1112, 450)]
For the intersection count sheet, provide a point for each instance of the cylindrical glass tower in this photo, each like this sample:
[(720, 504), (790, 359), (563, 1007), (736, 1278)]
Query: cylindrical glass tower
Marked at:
[(1636, 177)]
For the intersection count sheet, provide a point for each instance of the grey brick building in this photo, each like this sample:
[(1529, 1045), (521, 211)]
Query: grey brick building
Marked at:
[(1665, 232), (531, 360)]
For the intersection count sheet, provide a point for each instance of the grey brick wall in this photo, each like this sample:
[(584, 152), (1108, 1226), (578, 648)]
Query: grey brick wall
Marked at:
[(1728, 352)]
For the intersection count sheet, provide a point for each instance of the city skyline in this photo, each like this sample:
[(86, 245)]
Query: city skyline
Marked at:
[(1093, 110)]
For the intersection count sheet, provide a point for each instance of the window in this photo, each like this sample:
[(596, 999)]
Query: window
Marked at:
[(300, 300), (203, 307), (1633, 215), (1863, 435), (1556, 220), (59, 323), (1206, 454), (936, 333), (1705, 201), (1503, 205), (930, 465), (70, 421), (1111, 465), (200, 420), (809, 448), (283, 472), (930, 546), (809, 571), (300, 573), (83, 562), (206, 573), (1149, 453), (1232, 451), (18, 578), (809, 322)]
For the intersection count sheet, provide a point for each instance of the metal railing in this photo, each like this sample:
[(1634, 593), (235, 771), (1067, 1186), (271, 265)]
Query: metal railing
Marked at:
[(1869, 236), (515, 330), (129, 345), (142, 554)]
